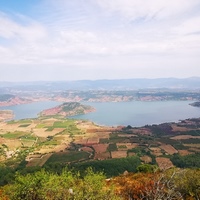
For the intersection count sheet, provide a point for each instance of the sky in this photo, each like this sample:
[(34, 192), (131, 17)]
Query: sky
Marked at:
[(61, 40)]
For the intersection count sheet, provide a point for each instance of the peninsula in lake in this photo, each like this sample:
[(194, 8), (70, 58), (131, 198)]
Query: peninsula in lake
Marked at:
[(68, 109), (196, 104)]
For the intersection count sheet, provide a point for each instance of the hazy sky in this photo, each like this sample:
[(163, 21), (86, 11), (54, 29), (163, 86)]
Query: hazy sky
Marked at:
[(98, 39)]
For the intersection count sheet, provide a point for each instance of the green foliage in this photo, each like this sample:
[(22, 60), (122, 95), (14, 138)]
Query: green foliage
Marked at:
[(66, 186), (24, 125), (188, 161), (49, 128), (12, 122), (13, 135), (60, 124), (112, 167), (28, 187), (64, 157), (50, 142), (68, 125), (186, 182), (122, 146), (147, 168), (6, 175), (192, 132), (140, 151), (25, 121), (191, 141), (28, 137), (112, 147)]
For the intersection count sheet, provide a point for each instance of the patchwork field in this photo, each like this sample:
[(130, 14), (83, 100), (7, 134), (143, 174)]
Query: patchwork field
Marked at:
[(54, 139), (164, 163)]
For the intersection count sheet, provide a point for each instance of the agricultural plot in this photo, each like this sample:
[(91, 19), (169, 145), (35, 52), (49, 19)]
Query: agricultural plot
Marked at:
[(11, 144), (100, 148), (14, 135), (126, 146), (176, 128), (93, 140), (38, 160), (169, 149), (184, 152), (65, 157), (102, 156), (87, 149), (24, 125), (184, 137), (118, 154), (146, 159), (164, 163), (68, 140), (156, 151)]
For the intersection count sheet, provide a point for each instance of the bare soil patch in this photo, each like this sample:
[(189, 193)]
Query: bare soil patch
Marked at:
[(103, 134), (12, 144), (184, 152), (38, 161), (176, 128), (87, 149), (93, 140), (127, 145), (118, 154), (100, 148), (168, 149), (146, 159), (102, 156), (164, 163), (82, 141), (156, 151), (192, 145), (131, 154)]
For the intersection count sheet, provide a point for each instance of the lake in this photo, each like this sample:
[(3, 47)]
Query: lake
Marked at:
[(30, 110), (136, 113), (140, 113)]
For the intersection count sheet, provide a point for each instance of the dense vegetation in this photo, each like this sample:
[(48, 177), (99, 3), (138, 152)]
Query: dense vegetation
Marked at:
[(112, 167), (171, 184), (188, 161), (28, 172)]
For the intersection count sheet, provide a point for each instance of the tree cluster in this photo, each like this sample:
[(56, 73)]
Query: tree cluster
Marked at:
[(148, 184)]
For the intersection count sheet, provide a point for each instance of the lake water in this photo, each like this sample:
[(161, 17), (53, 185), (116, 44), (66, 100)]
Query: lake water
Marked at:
[(139, 113), (135, 113), (30, 110)]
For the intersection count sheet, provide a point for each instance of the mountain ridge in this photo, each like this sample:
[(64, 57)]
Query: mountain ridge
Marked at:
[(107, 84)]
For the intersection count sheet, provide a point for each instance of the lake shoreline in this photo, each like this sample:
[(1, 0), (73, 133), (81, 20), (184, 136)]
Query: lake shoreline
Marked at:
[(135, 113)]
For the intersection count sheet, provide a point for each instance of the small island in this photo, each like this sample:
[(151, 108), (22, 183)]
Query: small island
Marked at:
[(68, 109), (196, 104)]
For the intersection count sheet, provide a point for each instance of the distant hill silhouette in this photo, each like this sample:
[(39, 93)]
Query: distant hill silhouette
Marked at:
[(117, 84)]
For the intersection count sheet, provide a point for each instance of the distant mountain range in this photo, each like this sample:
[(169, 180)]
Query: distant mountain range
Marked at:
[(118, 84)]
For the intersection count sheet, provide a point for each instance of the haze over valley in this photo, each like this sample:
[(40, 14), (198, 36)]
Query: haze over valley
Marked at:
[(100, 99)]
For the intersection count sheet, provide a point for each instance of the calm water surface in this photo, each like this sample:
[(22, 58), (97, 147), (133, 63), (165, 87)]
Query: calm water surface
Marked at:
[(30, 110), (135, 113), (140, 113)]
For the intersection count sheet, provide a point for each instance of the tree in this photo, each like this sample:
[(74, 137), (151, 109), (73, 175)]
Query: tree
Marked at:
[(66, 186), (147, 186)]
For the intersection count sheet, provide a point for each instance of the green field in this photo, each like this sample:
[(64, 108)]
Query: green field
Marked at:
[(64, 157), (13, 135), (24, 125)]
